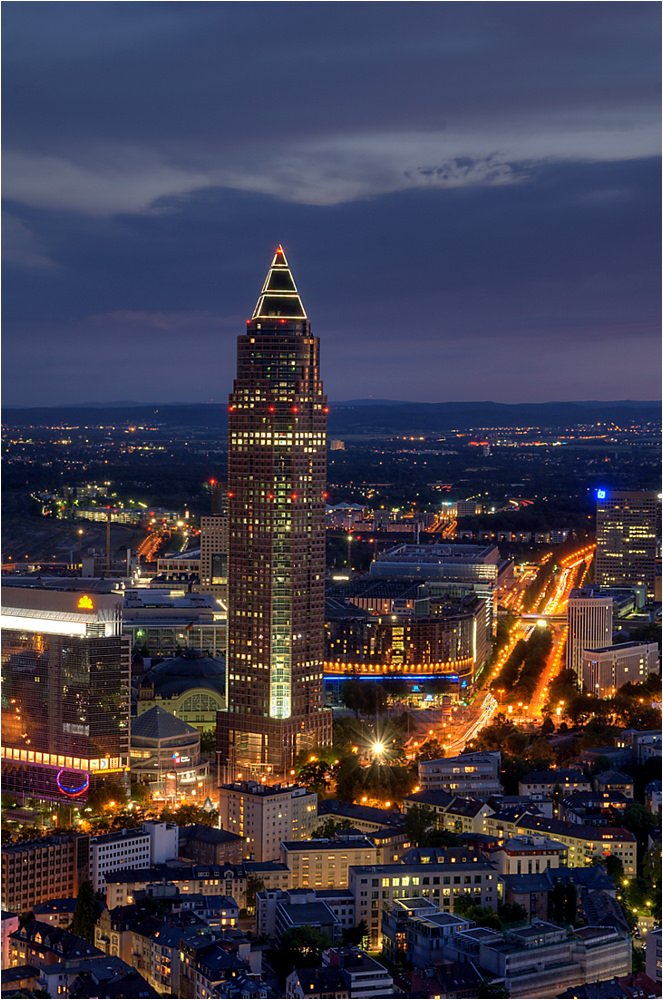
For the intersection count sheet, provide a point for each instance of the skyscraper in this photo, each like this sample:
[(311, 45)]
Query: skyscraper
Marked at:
[(276, 537), (627, 523), (589, 617)]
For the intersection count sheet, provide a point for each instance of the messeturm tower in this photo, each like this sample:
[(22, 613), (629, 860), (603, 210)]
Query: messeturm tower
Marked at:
[(276, 544)]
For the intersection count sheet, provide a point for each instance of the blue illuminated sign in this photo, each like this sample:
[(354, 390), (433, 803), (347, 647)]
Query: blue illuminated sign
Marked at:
[(600, 494)]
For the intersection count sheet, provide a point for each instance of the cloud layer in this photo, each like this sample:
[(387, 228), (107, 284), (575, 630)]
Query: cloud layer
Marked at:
[(473, 187)]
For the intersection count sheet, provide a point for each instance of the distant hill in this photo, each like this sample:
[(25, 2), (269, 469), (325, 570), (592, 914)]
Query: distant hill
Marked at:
[(352, 417)]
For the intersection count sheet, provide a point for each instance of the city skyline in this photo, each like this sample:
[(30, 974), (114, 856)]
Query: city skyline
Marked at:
[(469, 196)]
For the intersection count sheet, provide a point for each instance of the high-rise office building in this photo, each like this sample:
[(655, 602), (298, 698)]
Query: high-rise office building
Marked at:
[(276, 537), (627, 524), (589, 617), (65, 692), (214, 556)]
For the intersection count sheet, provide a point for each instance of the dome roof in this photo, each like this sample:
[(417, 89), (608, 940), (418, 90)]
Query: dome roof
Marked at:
[(192, 663), (190, 671)]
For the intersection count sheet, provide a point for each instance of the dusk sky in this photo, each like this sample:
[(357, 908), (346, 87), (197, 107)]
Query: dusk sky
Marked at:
[(468, 195)]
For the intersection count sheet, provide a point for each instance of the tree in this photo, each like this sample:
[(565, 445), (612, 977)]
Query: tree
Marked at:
[(140, 793), (557, 899), (327, 829), (85, 913), (110, 795), (419, 821), (254, 884), (547, 727), (613, 866), (352, 696), (432, 749), (570, 903), (483, 916), (208, 741), (355, 935), (301, 947), (315, 775), (511, 913), (651, 864), (639, 821)]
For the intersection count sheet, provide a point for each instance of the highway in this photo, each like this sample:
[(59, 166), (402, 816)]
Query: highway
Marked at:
[(554, 610)]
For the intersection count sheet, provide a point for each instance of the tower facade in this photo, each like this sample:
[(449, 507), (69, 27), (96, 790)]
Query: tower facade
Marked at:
[(276, 538), (589, 618), (627, 524)]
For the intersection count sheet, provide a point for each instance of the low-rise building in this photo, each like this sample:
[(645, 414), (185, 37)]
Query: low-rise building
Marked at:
[(325, 863), (653, 958), (525, 855), (654, 797), (375, 885), (227, 880), (454, 812), (303, 909), (584, 842), (345, 972), (591, 808), (543, 959), (56, 912), (606, 669), (614, 781), (473, 774), (542, 783), (165, 756), (414, 930), (164, 619), (340, 901), (206, 845), (367, 819), (533, 892), (265, 815), (10, 923)]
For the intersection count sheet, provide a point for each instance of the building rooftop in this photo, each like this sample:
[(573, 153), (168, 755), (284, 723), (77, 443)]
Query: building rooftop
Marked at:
[(208, 834), (257, 788), (157, 724), (369, 814), (324, 844), (560, 774)]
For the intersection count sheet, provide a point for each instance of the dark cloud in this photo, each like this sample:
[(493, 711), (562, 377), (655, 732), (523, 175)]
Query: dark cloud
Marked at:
[(469, 195)]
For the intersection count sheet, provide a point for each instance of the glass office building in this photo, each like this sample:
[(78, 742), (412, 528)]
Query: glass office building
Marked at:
[(65, 693)]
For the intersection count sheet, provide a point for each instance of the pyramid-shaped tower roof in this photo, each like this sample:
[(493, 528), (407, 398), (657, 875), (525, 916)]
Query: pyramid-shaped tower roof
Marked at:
[(279, 297)]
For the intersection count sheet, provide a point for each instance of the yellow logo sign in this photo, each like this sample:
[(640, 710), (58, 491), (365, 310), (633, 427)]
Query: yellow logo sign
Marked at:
[(86, 602)]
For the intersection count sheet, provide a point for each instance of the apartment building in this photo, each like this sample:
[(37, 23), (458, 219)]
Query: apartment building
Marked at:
[(375, 885), (473, 774), (529, 855), (225, 880), (151, 843), (36, 870), (583, 842), (324, 863), (538, 783), (266, 815)]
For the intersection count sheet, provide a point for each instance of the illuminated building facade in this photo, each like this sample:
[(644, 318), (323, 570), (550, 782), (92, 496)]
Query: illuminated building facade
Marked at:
[(65, 693), (627, 525), (276, 537), (589, 617), (214, 556)]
